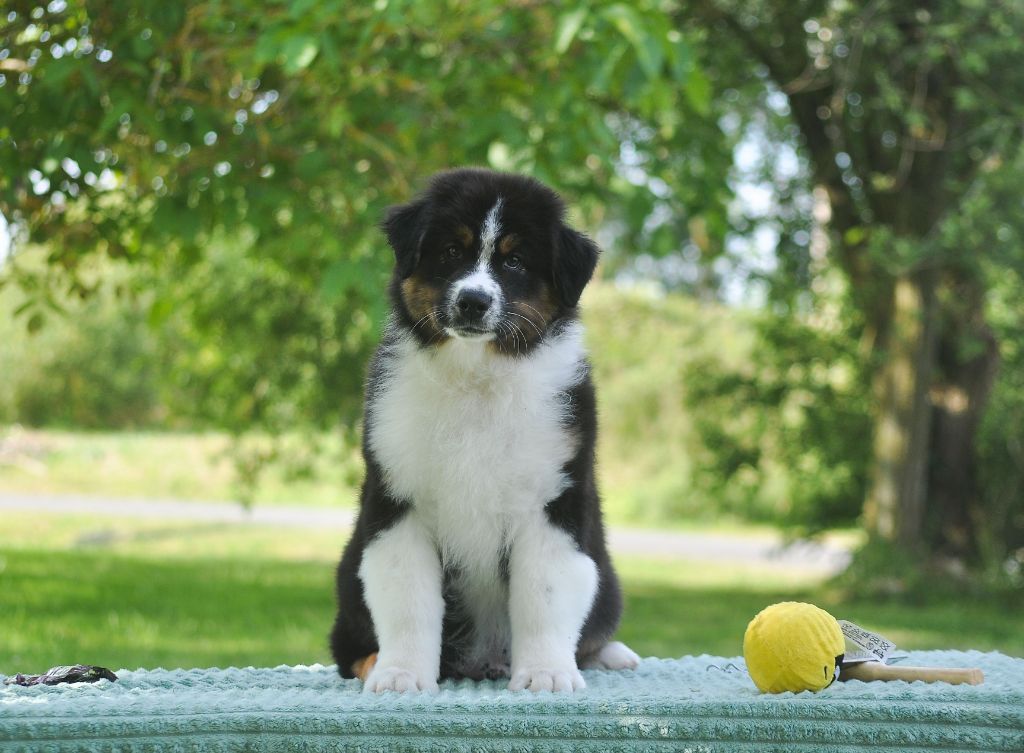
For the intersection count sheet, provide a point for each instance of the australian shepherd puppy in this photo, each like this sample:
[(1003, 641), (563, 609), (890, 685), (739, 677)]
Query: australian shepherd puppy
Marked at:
[(479, 549)]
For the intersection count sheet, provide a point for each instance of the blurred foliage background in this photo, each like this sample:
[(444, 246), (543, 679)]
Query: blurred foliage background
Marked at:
[(808, 312)]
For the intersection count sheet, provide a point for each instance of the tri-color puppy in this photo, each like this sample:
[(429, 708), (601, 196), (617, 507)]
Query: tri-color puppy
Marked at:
[(479, 548)]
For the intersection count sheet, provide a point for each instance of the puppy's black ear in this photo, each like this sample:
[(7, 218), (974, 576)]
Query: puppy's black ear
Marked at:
[(405, 225), (575, 259)]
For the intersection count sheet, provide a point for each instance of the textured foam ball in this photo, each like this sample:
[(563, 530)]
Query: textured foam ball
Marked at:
[(793, 646)]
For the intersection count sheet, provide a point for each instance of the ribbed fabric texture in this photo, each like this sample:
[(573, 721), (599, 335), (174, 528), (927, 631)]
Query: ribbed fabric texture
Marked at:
[(701, 703)]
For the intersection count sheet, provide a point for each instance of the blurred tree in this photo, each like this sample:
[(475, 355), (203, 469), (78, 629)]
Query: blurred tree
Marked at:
[(144, 130), (909, 116), (786, 430)]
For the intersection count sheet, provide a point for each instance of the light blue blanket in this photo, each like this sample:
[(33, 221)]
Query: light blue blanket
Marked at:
[(694, 704)]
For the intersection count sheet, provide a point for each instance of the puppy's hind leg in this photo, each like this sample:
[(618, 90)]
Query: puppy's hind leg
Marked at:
[(613, 655)]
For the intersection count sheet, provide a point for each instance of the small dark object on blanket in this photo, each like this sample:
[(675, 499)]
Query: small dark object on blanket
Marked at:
[(57, 675)]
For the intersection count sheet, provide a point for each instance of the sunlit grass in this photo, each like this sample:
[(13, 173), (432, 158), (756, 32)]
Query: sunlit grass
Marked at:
[(95, 607), (125, 593), (172, 540), (677, 607), (166, 465)]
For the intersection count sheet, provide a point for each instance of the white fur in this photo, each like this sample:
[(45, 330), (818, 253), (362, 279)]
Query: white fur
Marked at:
[(552, 587), (476, 443), (401, 576), (480, 278), (463, 432), (490, 232), (614, 655)]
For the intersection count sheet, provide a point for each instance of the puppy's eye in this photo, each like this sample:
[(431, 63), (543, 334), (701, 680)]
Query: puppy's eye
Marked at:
[(513, 262), (452, 253)]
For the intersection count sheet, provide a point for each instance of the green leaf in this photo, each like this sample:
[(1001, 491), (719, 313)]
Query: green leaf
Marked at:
[(160, 311), (855, 236), (680, 60), (347, 275), (631, 25), (698, 91), (298, 53), (337, 118), (568, 27), (299, 8), (35, 322), (602, 80)]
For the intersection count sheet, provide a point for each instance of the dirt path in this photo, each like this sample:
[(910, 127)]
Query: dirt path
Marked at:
[(824, 557)]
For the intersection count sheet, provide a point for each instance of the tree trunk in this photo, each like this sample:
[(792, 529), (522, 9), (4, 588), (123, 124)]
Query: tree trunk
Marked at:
[(967, 360), (895, 508), (936, 365)]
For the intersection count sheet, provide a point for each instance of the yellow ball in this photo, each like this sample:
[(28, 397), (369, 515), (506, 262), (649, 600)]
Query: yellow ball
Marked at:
[(793, 646)]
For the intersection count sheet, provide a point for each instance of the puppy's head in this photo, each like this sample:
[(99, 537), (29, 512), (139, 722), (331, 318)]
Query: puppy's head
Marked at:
[(487, 256)]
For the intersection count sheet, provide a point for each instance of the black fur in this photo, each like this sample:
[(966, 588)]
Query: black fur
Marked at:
[(405, 226), (575, 259), (558, 264)]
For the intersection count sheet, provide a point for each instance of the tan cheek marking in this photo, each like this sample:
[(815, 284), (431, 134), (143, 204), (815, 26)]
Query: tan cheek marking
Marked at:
[(539, 310), (420, 300), (548, 302)]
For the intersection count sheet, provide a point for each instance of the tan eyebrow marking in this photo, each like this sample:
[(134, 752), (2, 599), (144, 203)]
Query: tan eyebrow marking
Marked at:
[(508, 243), (465, 235)]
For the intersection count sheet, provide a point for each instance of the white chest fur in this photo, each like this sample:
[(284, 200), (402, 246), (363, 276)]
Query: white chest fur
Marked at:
[(474, 440)]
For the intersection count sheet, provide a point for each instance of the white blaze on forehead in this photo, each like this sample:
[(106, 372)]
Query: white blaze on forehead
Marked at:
[(480, 278), (490, 231)]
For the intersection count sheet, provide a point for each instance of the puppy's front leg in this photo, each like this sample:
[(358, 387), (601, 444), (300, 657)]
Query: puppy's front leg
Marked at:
[(402, 580), (551, 590)]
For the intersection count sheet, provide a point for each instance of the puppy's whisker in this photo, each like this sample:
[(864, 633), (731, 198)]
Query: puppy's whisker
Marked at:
[(540, 316), (431, 317), (528, 320), (520, 337), (506, 328), (521, 334), (506, 331), (421, 320), (439, 332)]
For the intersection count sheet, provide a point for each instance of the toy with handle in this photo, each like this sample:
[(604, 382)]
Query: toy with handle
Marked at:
[(873, 670), (792, 646)]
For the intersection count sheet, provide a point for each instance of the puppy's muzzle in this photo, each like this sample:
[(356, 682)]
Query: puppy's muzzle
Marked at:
[(471, 308)]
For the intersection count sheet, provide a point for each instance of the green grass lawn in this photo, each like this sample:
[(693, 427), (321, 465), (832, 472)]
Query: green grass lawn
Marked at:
[(146, 594)]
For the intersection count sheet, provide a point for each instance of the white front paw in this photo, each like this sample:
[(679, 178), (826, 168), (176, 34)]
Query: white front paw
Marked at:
[(398, 679), (559, 680)]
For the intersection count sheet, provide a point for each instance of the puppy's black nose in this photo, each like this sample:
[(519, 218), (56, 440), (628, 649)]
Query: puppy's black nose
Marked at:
[(473, 304)]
